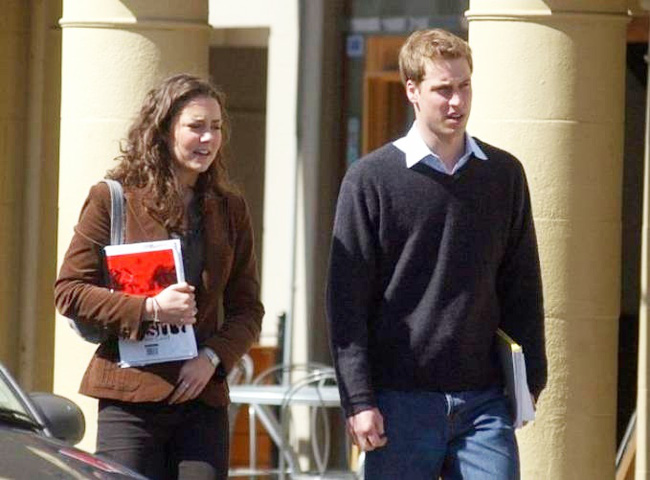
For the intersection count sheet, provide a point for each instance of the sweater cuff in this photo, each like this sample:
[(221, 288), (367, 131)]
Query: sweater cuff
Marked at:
[(359, 404)]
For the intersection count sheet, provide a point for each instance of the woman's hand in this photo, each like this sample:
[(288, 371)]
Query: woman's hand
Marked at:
[(194, 376), (176, 305)]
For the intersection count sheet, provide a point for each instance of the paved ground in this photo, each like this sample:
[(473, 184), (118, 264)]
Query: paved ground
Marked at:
[(275, 476)]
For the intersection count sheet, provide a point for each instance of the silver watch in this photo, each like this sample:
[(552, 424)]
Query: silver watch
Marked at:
[(213, 357)]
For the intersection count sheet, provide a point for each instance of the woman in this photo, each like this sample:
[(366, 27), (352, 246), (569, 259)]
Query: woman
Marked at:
[(169, 420)]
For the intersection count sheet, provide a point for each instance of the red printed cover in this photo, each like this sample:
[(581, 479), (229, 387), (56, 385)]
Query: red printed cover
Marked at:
[(142, 273), (144, 269)]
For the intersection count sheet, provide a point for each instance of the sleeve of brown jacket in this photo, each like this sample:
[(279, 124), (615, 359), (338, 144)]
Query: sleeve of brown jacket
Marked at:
[(79, 290), (243, 310)]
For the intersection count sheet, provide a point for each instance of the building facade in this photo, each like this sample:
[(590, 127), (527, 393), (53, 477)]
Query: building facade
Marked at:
[(312, 87)]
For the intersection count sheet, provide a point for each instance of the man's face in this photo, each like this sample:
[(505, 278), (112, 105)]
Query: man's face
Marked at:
[(443, 99)]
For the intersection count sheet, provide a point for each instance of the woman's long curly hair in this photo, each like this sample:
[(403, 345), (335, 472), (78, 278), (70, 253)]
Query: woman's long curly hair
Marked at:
[(146, 161)]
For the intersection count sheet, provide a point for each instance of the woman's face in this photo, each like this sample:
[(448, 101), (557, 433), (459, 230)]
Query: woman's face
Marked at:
[(195, 138)]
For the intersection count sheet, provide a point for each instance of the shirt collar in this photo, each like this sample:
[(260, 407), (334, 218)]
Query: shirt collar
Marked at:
[(415, 150)]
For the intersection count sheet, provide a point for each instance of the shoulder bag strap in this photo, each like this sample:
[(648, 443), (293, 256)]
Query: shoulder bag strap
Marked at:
[(117, 211)]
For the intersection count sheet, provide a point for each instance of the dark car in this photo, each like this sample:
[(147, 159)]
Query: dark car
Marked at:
[(37, 432)]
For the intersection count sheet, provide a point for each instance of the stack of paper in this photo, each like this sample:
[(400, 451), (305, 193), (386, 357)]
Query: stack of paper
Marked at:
[(514, 374), (146, 269)]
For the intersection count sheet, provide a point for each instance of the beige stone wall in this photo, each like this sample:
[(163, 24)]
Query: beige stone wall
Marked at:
[(549, 87), (113, 52), (234, 24)]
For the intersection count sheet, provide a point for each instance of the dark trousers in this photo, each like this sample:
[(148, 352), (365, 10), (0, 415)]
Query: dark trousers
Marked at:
[(188, 441)]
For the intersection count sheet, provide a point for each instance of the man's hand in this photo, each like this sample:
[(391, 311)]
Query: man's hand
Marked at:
[(367, 429)]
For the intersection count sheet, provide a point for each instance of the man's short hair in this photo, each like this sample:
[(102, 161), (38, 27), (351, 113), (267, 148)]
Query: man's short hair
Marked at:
[(430, 45)]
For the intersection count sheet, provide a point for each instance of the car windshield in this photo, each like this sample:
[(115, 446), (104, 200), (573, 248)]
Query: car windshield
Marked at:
[(9, 397)]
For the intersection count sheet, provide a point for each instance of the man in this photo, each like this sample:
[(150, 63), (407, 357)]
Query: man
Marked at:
[(434, 248)]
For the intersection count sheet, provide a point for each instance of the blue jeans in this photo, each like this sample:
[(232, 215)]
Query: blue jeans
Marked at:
[(460, 435)]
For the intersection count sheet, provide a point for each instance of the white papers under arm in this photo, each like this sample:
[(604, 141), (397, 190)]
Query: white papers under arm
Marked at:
[(514, 373)]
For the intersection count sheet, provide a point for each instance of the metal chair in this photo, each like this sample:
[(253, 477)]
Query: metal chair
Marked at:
[(306, 385), (241, 373)]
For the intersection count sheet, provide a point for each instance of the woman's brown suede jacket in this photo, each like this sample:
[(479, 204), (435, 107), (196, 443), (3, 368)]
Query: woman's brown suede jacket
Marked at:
[(229, 310)]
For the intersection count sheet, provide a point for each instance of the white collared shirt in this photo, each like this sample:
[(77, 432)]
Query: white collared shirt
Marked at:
[(415, 151)]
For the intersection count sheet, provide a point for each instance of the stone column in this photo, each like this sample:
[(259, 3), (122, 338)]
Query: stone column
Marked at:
[(549, 87), (113, 52), (29, 113), (14, 38), (39, 168)]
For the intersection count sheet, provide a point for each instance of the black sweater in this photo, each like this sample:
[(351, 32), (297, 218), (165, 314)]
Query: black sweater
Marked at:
[(423, 269)]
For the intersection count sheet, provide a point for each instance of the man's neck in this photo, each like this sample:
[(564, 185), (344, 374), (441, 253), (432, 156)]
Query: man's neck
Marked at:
[(449, 150)]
